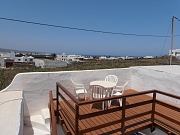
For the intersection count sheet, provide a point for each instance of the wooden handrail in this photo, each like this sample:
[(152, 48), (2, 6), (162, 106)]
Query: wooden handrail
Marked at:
[(123, 108), (167, 94), (68, 104), (116, 97), (84, 116), (52, 115), (67, 93)]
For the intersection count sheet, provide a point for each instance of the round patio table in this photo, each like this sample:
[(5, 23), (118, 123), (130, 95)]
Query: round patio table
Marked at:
[(105, 84)]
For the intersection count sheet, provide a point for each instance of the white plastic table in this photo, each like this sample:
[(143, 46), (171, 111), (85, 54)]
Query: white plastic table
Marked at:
[(105, 84)]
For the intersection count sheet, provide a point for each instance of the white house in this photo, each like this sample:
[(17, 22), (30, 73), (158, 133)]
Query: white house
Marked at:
[(6, 63), (62, 57), (148, 57), (102, 58), (9, 55), (24, 59), (73, 57), (87, 57), (65, 57), (175, 53), (7, 59), (113, 58)]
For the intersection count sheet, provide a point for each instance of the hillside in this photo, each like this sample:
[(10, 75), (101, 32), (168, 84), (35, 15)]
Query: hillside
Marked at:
[(6, 75), (17, 51)]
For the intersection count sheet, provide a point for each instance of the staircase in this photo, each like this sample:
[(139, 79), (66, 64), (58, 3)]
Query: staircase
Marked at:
[(38, 124)]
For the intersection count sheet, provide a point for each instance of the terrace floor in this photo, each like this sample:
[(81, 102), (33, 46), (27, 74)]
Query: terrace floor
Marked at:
[(161, 118)]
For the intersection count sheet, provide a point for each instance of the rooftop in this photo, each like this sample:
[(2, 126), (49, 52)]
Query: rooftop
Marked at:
[(33, 93)]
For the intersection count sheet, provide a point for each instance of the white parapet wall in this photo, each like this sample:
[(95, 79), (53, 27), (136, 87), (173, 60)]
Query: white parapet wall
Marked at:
[(36, 85), (163, 78), (11, 113)]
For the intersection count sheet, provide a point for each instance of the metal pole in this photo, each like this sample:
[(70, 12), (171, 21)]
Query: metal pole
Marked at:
[(172, 39)]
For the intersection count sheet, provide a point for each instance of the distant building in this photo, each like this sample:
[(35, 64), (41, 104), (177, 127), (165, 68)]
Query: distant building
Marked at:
[(73, 57), (87, 57), (148, 57), (7, 63), (113, 58), (102, 58), (65, 57), (49, 63), (24, 59), (7, 59), (175, 53), (62, 57), (9, 55)]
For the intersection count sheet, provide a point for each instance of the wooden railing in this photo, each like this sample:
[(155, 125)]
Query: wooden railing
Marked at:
[(73, 125), (53, 126)]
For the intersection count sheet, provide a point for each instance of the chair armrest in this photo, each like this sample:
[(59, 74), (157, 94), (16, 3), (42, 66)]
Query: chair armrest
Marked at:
[(79, 87), (119, 86)]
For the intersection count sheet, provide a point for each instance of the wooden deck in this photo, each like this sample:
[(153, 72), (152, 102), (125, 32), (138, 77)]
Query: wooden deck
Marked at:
[(139, 111), (131, 126), (110, 117)]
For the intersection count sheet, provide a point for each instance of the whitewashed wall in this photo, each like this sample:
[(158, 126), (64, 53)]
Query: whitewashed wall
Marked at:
[(164, 78), (36, 86)]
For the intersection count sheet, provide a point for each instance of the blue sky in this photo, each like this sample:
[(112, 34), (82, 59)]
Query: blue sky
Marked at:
[(141, 17)]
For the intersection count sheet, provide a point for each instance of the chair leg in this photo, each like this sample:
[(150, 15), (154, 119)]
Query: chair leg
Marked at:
[(84, 96), (120, 102), (109, 103), (91, 106)]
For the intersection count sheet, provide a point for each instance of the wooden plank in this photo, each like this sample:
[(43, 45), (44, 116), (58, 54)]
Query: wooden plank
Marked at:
[(97, 119), (87, 122), (168, 106), (141, 109), (167, 125)]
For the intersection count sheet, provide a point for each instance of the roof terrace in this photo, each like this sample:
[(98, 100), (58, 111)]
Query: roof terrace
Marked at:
[(149, 102)]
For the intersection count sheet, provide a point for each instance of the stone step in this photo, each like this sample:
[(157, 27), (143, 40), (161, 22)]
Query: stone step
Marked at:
[(45, 115), (34, 131), (37, 122)]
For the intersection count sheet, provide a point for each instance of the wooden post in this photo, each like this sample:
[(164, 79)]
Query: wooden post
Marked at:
[(153, 112), (76, 119), (123, 115), (57, 102)]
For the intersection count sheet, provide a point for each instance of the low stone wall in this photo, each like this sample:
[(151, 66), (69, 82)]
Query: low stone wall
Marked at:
[(163, 78), (36, 85)]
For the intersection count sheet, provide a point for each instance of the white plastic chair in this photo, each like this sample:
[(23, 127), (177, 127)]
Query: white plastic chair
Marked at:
[(111, 78), (119, 90), (79, 89), (97, 92)]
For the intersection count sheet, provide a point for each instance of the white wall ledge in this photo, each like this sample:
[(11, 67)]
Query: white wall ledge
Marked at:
[(11, 114)]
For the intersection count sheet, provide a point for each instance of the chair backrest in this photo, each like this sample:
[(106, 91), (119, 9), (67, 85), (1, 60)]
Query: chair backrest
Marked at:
[(97, 91), (111, 78), (76, 85), (73, 82), (124, 86)]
